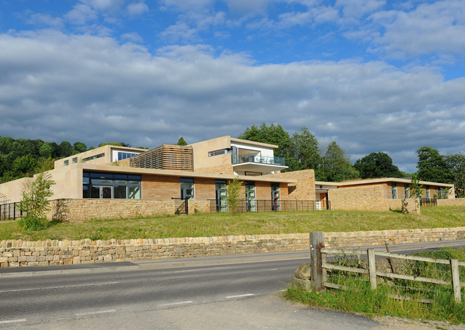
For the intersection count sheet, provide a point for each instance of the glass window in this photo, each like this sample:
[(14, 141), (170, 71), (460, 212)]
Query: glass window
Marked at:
[(120, 191), (250, 196), (394, 191), (187, 188), (85, 180), (101, 175), (134, 192), (407, 192), (134, 177), (66, 162), (427, 192), (93, 157), (120, 176), (74, 160), (125, 155)]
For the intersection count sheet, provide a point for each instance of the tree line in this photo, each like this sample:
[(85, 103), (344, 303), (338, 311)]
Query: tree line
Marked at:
[(332, 163), (23, 157)]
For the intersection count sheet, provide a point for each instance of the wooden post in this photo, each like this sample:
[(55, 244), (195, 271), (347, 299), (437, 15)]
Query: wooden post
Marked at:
[(316, 244), (372, 268), (454, 265)]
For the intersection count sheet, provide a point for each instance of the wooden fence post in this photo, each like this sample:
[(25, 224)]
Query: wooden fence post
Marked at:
[(454, 265), (316, 244), (372, 268)]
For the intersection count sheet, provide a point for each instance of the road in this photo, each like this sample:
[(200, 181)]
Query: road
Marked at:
[(234, 292)]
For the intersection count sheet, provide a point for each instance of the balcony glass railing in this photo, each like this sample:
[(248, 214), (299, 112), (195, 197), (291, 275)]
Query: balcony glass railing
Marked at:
[(251, 158)]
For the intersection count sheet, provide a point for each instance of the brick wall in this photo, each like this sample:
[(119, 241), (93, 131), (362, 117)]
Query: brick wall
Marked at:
[(364, 198), (222, 169), (304, 189), (451, 202), (15, 253), (160, 187)]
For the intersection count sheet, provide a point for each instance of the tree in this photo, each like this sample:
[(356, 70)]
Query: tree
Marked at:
[(181, 142), (25, 164), (305, 151), (432, 166), (415, 187), (34, 202), (377, 165), (456, 165), (45, 165), (234, 189), (46, 150), (337, 166), (66, 149), (79, 147), (273, 134)]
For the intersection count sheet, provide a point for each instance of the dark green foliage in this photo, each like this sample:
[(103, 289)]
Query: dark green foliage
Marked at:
[(25, 164), (79, 147), (22, 157), (305, 150), (66, 149), (416, 189), (456, 165), (377, 165), (336, 165), (181, 142), (432, 166)]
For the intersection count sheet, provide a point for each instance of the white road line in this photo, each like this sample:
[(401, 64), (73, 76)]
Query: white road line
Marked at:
[(177, 303), (13, 321), (241, 296), (99, 312), (60, 287)]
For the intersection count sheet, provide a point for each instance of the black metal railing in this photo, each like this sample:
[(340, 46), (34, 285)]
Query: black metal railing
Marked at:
[(243, 206), (424, 202), (181, 205), (10, 211)]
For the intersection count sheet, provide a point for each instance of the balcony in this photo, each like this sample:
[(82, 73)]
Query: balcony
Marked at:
[(254, 158)]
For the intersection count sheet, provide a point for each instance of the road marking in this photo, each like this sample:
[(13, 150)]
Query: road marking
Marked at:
[(13, 321), (59, 287), (99, 312), (177, 303), (241, 296)]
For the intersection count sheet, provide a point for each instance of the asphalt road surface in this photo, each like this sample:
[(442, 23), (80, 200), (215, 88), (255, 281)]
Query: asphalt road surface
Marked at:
[(234, 292)]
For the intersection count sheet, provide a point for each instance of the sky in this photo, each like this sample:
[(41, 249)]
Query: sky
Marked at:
[(372, 75)]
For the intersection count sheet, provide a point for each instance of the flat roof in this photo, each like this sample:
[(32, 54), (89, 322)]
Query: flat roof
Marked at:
[(258, 144), (134, 170), (380, 180)]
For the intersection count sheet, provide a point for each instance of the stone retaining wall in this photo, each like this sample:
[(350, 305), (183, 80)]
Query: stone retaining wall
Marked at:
[(451, 202), (74, 210), (15, 253)]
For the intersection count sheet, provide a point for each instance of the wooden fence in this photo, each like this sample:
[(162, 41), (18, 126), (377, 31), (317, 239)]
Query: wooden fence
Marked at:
[(320, 265)]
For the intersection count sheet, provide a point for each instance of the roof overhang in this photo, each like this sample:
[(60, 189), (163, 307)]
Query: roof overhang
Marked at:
[(258, 167)]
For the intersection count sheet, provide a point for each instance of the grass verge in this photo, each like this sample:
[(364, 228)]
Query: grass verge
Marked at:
[(359, 298), (207, 225)]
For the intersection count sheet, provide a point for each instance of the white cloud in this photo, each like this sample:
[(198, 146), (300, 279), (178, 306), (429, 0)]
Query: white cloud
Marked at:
[(180, 32), (91, 89), (429, 28), (357, 8), (45, 20), (137, 8), (81, 14)]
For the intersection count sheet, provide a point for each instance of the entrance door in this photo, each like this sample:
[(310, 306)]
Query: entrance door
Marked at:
[(275, 202), (221, 196), (102, 192), (250, 196)]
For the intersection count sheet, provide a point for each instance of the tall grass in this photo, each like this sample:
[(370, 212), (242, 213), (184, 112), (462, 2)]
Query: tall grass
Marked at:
[(361, 299)]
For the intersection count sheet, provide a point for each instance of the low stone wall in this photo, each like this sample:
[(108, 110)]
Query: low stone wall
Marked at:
[(74, 210), (15, 253), (451, 202), (364, 198)]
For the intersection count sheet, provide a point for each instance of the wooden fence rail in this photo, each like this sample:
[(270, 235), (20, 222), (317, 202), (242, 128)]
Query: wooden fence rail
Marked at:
[(320, 266)]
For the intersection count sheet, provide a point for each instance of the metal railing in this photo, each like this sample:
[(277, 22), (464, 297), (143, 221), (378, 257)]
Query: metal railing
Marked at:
[(424, 202), (10, 211), (253, 158), (244, 206)]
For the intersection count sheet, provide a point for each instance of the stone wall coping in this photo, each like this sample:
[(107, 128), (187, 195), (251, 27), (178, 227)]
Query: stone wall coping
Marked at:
[(19, 244)]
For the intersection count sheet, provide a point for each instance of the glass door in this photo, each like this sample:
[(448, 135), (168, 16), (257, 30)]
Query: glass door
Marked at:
[(275, 200), (250, 196), (221, 196), (187, 188), (102, 192)]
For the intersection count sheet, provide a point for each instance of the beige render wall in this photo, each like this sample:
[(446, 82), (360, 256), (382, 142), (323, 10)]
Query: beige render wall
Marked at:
[(18, 253), (451, 202), (221, 169), (364, 198), (304, 189), (201, 150), (12, 190)]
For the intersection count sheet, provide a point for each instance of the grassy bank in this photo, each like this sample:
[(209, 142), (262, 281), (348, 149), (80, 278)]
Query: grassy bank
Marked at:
[(361, 299), (201, 225)]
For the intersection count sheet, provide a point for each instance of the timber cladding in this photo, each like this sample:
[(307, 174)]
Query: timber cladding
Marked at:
[(165, 157)]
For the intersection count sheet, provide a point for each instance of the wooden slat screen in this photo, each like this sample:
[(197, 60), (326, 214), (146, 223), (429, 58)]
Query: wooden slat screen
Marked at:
[(165, 157)]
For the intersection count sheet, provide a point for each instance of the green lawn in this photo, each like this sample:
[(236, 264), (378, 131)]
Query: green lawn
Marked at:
[(200, 225)]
